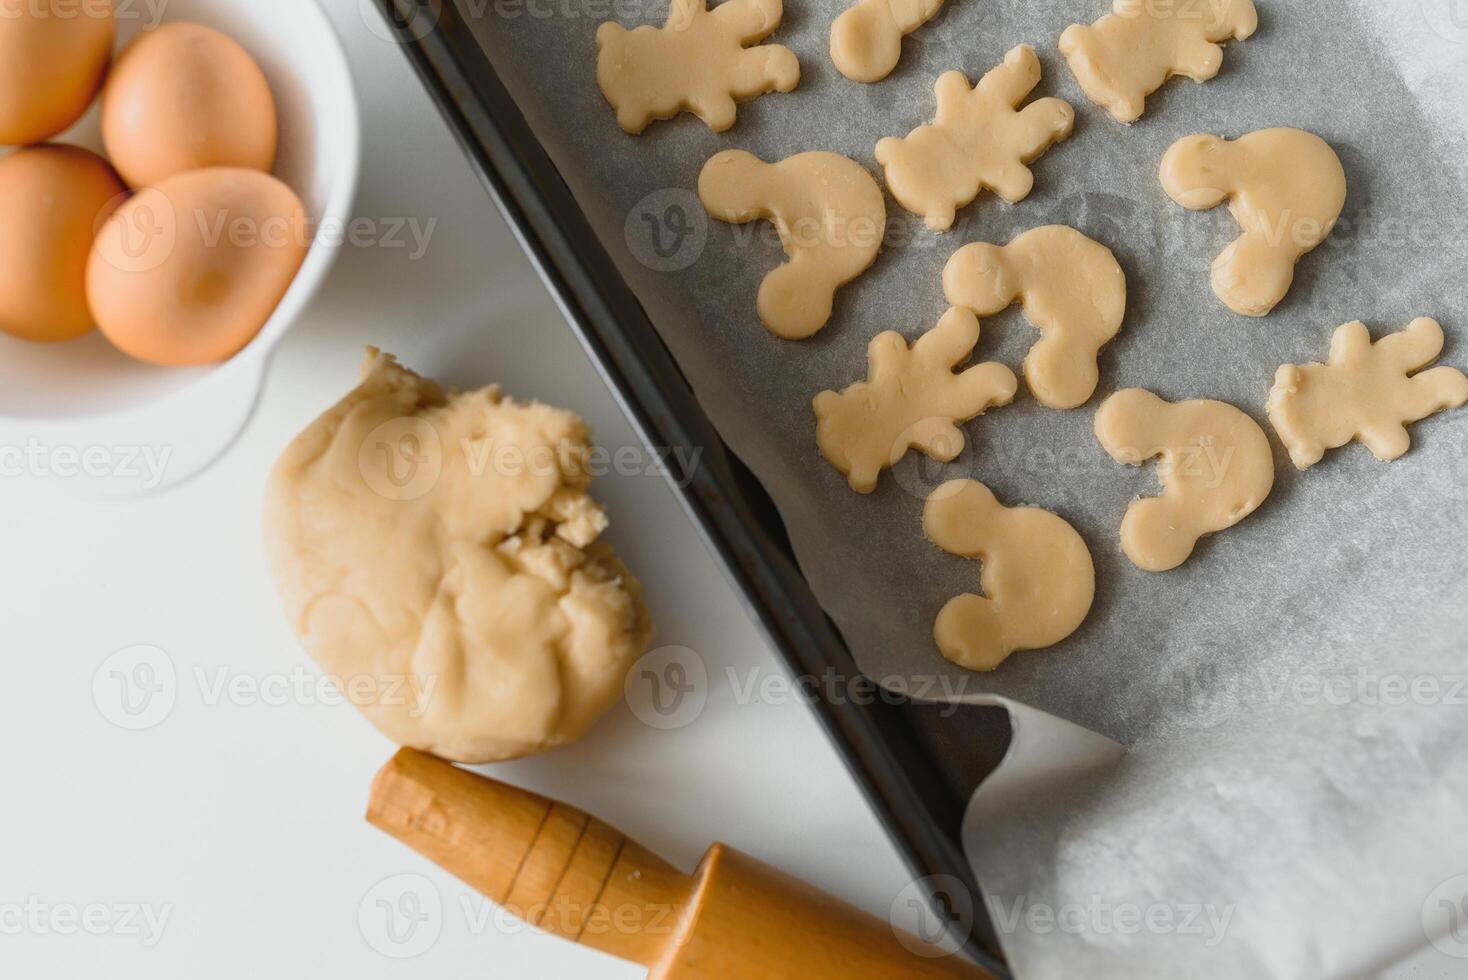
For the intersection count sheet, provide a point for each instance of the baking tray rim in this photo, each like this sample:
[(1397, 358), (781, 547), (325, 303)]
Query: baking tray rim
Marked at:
[(601, 309)]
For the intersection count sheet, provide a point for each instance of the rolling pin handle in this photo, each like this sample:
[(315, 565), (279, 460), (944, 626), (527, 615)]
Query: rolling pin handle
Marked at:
[(568, 873)]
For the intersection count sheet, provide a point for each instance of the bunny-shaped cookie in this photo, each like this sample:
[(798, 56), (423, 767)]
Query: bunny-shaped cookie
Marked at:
[(697, 61)]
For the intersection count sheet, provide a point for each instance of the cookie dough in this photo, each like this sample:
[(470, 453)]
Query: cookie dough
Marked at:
[(979, 138), (829, 213), (1216, 469), (911, 400), (1129, 53), (437, 554), (1072, 290), (866, 40), (1285, 188), (697, 61), (1366, 392), (1038, 579)]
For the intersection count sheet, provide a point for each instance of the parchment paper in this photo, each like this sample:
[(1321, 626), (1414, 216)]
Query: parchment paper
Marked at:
[(1283, 808)]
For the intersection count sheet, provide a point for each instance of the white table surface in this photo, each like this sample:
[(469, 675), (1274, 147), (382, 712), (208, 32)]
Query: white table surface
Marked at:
[(226, 838), (235, 820)]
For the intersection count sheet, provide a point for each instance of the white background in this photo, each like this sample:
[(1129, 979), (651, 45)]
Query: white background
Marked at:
[(240, 817)]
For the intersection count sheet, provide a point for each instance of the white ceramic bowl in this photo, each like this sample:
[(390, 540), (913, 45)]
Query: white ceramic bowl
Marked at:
[(85, 393)]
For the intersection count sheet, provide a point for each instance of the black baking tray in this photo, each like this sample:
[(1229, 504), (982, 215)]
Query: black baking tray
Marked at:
[(917, 764)]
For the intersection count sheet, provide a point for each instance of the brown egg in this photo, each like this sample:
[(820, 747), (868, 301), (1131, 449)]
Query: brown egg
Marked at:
[(53, 54), (52, 200), (188, 271), (183, 97)]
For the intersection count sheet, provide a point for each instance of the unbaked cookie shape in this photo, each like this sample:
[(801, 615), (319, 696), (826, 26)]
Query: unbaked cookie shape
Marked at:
[(1129, 53), (1216, 468), (1366, 392), (699, 61), (912, 399), (979, 138), (1071, 288), (1038, 579), (866, 40), (1285, 187), (831, 218)]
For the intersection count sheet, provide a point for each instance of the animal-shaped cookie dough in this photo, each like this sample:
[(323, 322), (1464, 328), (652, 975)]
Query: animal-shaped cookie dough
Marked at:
[(1072, 289), (979, 138), (829, 213), (696, 61), (866, 40), (1128, 54), (911, 400), (1285, 188), (1038, 578), (1216, 469), (1364, 392)]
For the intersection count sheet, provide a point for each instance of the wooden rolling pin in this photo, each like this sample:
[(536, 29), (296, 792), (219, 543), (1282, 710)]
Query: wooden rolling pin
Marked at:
[(572, 875)]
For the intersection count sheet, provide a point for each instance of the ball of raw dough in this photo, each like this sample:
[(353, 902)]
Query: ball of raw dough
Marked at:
[(437, 554)]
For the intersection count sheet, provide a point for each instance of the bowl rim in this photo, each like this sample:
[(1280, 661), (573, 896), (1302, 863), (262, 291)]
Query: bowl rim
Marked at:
[(315, 268)]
